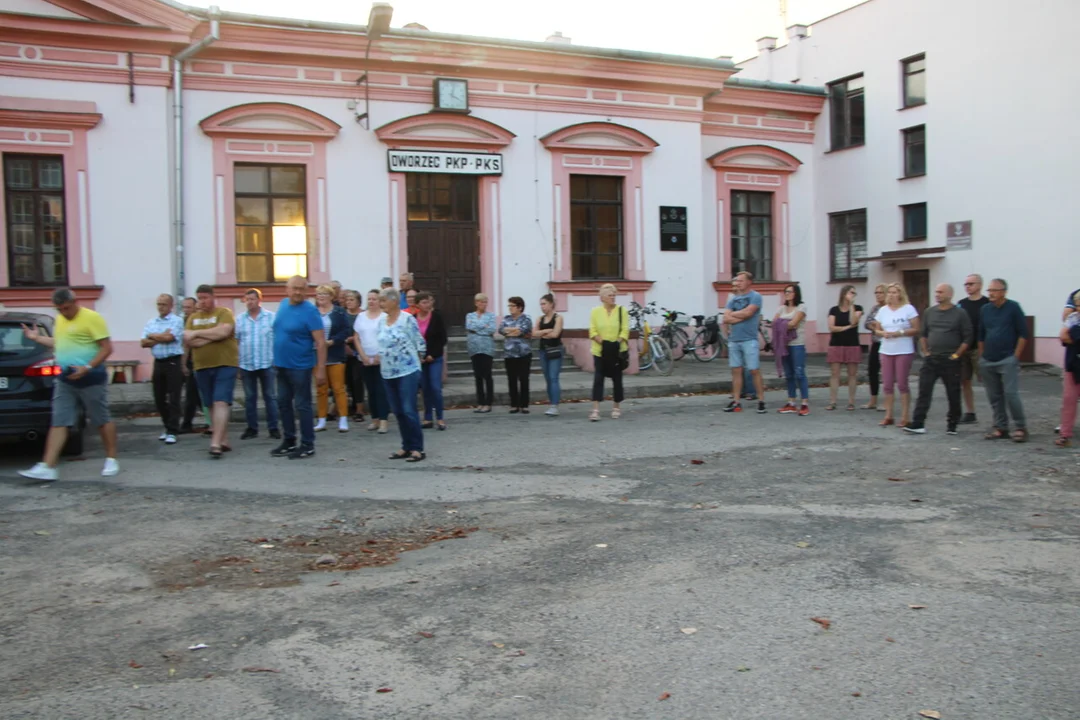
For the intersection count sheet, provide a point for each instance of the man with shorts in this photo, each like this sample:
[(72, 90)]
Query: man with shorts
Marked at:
[(743, 314), (81, 345), (969, 361), (210, 339)]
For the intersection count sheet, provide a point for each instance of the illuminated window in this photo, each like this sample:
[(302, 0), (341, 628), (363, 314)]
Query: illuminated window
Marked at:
[(271, 224)]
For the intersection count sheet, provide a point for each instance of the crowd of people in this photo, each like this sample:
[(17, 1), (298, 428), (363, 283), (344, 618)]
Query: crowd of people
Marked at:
[(374, 354)]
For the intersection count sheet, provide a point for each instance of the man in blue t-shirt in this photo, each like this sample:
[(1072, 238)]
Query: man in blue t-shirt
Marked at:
[(1002, 335), (742, 315), (299, 349)]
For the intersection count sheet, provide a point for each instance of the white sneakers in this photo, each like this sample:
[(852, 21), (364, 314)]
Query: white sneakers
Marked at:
[(41, 471), (163, 436), (553, 410), (321, 425), (170, 439), (343, 424)]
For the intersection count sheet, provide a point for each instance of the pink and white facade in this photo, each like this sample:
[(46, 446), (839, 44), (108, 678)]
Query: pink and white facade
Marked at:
[(276, 174)]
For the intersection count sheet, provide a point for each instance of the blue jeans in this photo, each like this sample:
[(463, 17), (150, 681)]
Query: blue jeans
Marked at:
[(431, 385), (401, 392), (252, 380), (795, 371), (294, 387), (551, 368)]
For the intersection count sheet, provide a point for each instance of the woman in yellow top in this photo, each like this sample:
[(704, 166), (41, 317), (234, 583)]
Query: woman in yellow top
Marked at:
[(609, 329)]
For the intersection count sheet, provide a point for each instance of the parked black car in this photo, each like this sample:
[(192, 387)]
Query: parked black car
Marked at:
[(27, 373)]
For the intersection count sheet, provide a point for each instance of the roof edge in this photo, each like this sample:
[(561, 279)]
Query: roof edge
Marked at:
[(414, 34), (751, 84)]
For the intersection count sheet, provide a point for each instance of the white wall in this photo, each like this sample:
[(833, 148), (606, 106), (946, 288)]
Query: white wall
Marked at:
[(1001, 141), (128, 177)]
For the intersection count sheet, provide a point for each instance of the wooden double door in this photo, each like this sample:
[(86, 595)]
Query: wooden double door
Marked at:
[(444, 240)]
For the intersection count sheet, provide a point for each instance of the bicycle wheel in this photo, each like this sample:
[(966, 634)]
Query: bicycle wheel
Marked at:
[(645, 356), (661, 352), (679, 342), (701, 349)]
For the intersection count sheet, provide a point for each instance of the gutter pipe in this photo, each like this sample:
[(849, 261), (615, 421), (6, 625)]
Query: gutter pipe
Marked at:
[(178, 145)]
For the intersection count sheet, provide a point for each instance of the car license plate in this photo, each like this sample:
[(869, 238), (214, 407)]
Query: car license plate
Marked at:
[(3, 383)]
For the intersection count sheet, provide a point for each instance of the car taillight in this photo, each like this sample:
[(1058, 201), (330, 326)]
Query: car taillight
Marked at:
[(45, 368)]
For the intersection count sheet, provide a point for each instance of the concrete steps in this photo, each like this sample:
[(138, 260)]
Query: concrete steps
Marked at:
[(458, 363)]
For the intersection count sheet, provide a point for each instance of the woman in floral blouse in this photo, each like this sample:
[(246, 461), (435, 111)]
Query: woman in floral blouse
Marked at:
[(517, 328), (400, 348), (480, 326)]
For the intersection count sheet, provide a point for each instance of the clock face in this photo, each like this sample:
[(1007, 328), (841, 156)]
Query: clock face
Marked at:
[(453, 95)]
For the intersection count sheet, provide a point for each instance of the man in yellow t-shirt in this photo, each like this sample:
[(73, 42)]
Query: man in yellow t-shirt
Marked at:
[(81, 345), (210, 339)]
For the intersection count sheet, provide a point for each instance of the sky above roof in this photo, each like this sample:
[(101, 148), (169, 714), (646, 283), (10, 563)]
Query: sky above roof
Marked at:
[(702, 28)]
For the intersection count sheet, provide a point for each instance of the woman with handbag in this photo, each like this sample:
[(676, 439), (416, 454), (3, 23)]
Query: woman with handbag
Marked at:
[(609, 329), (549, 329)]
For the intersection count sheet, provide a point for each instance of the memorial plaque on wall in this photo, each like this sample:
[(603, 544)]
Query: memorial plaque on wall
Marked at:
[(672, 228)]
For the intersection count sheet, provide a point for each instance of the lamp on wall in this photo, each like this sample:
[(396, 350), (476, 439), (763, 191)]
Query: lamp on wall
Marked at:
[(378, 23)]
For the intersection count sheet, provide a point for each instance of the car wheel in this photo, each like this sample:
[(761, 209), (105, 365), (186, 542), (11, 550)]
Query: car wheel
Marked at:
[(74, 444)]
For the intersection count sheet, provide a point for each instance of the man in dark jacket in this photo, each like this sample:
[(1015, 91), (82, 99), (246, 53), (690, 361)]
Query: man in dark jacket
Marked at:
[(945, 335), (1002, 336)]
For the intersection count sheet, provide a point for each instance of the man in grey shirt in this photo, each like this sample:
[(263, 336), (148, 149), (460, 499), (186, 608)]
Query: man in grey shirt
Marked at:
[(945, 336)]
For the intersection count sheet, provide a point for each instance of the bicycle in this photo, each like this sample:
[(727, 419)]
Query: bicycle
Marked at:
[(708, 342), (675, 335), (655, 351)]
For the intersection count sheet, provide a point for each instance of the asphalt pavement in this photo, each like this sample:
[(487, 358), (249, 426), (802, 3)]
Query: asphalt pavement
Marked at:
[(679, 563)]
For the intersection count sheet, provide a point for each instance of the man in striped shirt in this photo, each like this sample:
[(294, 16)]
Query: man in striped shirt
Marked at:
[(163, 335), (255, 332)]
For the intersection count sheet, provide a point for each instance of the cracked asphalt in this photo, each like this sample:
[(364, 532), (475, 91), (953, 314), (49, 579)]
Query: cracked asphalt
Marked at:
[(609, 571)]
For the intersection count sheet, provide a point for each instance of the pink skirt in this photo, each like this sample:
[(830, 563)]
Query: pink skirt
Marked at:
[(844, 354)]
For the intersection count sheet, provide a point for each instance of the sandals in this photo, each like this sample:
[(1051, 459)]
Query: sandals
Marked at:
[(616, 413), (594, 416), (830, 406), (399, 455), (1062, 442), (441, 425), (427, 425), (216, 452), (887, 421), (1020, 435), (850, 407), (995, 434), (868, 406), (416, 456)]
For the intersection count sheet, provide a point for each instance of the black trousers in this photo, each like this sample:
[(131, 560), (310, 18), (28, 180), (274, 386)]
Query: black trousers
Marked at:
[(598, 384), (517, 373), (874, 368), (934, 367), (485, 384), (168, 381), (354, 380)]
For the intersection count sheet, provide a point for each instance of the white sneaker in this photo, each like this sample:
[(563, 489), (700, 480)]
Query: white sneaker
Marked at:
[(111, 468), (343, 425), (163, 436), (553, 410), (41, 471), (321, 425), (170, 439)]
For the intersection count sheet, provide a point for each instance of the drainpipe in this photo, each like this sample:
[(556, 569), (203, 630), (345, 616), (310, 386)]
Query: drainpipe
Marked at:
[(178, 147)]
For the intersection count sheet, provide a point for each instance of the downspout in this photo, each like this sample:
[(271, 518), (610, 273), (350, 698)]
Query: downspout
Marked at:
[(178, 146)]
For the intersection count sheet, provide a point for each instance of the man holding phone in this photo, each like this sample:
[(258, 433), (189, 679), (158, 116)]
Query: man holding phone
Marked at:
[(81, 346)]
